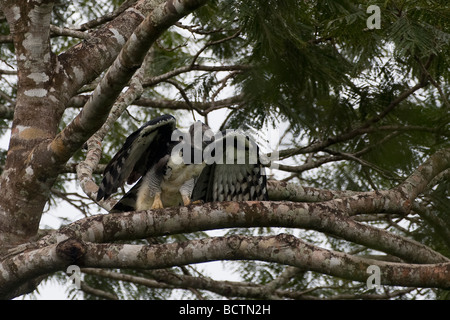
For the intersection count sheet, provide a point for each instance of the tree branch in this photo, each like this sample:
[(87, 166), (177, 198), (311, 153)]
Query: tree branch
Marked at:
[(87, 167), (182, 105), (320, 145), (193, 67), (280, 190), (330, 217), (107, 17), (69, 32), (418, 181), (130, 58), (333, 217), (283, 249)]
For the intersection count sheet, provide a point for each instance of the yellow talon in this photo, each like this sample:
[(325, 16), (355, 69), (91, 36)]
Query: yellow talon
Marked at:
[(157, 203), (186, 199)]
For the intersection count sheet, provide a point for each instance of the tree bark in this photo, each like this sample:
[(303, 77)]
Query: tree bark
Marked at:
[(85, 241), (283, 248), (38, 152), (23, 192), (46, 83)]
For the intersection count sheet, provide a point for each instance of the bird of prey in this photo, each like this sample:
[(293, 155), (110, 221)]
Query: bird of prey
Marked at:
[(173, 169)]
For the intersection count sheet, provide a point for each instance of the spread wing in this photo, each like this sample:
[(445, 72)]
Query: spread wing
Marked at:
[(240, 176), (128, 201), (141, 150)]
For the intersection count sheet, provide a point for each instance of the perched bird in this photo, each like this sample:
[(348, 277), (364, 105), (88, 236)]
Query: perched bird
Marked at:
[(173, 168)]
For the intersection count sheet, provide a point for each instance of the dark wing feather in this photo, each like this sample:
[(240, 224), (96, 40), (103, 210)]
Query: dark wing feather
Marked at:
[(128, 201), (233, 181), (141, 150), (203, 186)]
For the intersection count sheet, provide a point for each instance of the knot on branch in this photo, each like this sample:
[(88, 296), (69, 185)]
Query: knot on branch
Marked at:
[(234, 243), (287, 239), (71, 250)]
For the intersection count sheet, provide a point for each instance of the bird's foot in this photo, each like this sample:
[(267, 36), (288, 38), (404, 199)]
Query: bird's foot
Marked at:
[(157, 203), (186, 199)]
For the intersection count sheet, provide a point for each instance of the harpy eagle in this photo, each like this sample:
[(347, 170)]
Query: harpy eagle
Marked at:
[(173, 168)]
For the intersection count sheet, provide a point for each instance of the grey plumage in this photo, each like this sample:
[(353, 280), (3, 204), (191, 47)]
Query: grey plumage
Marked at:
[(148, 156), (233, 181)]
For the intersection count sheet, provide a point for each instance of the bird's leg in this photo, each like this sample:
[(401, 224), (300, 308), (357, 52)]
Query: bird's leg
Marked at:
[(151, 186), (157, 203), (186, 191), (149, 193), (186, 199)]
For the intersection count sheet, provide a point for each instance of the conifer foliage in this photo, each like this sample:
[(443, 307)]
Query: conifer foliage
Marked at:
[(362, 114)]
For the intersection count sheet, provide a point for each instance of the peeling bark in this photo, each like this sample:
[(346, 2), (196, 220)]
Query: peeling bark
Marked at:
[(22, 190), (128, 61), (46, 83), (283, 248), (322, 217)]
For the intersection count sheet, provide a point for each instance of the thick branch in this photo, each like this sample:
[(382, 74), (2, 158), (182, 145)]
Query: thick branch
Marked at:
[(22, 197), (86, 167), (16, 273), (88, 59), (283, 249), (330, 217), (280, 190), (130, 58), (417, 182)]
